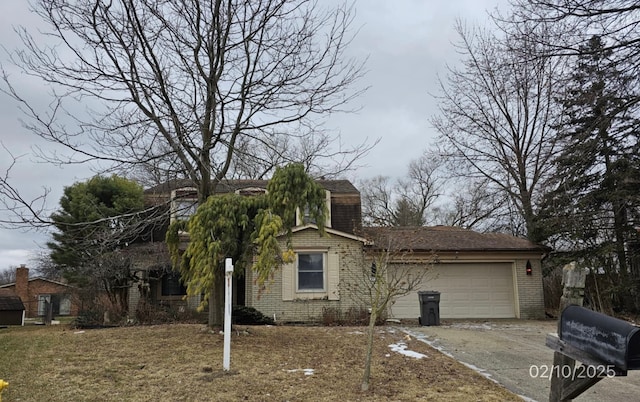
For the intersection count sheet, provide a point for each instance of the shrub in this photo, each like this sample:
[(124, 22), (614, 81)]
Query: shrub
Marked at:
[(249, 316)]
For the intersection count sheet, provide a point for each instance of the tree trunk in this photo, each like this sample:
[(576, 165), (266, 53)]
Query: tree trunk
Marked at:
[(367, 362), (216, 301)]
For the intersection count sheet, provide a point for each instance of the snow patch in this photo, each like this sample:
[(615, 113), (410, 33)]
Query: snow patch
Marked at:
[(401, 348), (306, 371)]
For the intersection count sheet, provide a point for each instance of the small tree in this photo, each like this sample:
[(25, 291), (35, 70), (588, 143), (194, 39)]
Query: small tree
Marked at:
[(380, 284)]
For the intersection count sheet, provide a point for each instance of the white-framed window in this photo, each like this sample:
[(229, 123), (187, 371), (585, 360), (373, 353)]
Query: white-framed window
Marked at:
[(251, 191), (184, 203), (60, 304), (42, 304), (303, 216), (184, 208), (310, 271)]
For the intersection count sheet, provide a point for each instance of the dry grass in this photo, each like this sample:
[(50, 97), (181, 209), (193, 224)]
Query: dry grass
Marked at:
[(184, 363)]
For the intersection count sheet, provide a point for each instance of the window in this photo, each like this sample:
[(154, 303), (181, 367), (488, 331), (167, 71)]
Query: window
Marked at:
[(311, 268), (303, 216), (185, 208), (184, 203), (43, 304), (60, 304), (251, 191), (172, 285)]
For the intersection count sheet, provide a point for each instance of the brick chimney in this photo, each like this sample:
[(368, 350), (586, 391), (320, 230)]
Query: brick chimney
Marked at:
[(22, 283)]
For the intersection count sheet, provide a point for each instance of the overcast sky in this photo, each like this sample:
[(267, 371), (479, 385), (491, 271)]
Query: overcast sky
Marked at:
[(407, 42)]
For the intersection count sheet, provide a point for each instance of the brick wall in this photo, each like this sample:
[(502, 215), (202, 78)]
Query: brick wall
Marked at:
[(29, 290), (530, 293), (22, 284), (310, 307)]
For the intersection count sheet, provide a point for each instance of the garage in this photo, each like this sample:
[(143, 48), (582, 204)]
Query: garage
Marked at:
[(479, 275), (468, 290)]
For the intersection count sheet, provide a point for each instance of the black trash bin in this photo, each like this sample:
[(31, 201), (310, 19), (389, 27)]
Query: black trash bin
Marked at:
[(429, 308)]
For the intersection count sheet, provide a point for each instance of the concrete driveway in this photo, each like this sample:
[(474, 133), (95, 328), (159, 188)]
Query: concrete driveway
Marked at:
[(513, 353)]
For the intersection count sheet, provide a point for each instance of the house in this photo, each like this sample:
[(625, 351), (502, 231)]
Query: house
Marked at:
[(11, 308), (36, 292), (160, 285), (479, 275)]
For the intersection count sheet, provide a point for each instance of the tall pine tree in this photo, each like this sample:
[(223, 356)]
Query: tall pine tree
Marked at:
[(595, 201)]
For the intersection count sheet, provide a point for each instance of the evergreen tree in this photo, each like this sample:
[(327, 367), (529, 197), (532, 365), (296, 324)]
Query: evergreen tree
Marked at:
[(595, 200), (407, 214), (95, 219)]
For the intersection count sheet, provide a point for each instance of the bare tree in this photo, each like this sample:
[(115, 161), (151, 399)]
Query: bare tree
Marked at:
[(8, 276), (471, 205), (183, 83), (322, 155), (422, 186), (407, 201), (384, 277), (617, 22), (496, 114), (377, 201)]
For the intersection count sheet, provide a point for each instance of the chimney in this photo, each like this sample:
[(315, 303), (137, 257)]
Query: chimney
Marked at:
[(22, 283)]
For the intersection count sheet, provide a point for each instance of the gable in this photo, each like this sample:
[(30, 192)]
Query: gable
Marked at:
[(329, 231), (40, 281)]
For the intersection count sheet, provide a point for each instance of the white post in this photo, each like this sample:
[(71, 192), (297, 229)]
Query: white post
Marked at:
[(228, 271)]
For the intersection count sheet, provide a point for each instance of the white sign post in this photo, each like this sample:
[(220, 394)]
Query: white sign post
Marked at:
[(228, 271)]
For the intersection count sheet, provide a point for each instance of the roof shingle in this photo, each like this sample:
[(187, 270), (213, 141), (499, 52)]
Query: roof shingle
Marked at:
[(446, 238), (9, 301)]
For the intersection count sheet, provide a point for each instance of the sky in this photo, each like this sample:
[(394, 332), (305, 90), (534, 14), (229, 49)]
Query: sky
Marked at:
[(408, 44)]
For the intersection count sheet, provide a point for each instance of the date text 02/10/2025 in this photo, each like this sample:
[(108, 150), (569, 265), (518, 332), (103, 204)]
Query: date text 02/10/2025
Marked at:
[(571, 372)]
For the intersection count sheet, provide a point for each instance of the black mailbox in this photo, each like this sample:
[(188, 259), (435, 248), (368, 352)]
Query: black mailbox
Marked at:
[(609, 339)]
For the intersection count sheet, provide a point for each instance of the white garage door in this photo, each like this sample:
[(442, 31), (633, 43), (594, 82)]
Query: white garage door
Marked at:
[(466, 291)]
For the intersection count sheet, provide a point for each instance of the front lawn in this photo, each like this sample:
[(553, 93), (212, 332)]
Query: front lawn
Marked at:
[(183, 362)]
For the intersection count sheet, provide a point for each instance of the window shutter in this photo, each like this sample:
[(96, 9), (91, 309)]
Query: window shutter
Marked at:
[(288, 281), (328, 204), (333, 276)]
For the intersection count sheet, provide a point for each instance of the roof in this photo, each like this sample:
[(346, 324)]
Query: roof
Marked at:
[(38, 278), (9, 301), (230, 186), (446, 238)]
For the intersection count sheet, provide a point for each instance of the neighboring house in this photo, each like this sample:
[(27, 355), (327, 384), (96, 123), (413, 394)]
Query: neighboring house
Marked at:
[(36, 292), (478, 275), (11, 308)]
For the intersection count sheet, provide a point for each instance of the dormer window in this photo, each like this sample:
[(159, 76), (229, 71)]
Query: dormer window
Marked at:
[(184, 202), (251, 191), (304, 217)]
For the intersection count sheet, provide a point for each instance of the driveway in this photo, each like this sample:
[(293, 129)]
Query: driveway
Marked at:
[(513, 353)]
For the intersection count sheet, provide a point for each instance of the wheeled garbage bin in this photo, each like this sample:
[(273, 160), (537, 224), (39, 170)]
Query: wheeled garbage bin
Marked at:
[(429, 308)]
